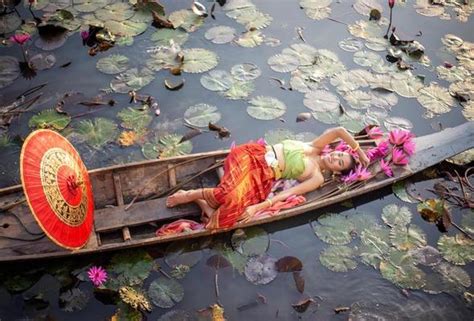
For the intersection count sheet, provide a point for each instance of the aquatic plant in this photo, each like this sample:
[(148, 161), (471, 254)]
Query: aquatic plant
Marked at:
[(134, 298), (97, 275)]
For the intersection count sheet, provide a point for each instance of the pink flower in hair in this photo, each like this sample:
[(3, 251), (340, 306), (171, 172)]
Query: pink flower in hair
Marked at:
[(399, 136), (399, 157), (409, 147), (326, 150), (341, 147), (374, 132), (97, 275), (385, 166)]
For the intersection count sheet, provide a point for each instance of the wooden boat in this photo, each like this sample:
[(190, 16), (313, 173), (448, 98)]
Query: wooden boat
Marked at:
[(114, 187)]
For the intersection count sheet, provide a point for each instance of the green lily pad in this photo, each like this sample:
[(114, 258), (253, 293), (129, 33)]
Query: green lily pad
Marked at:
[(453, 74), (220, 34), (400, 190), (338, 258), (377, 44), (245, 72), (237, 260), (352, 120), (426, 255), (164, 57), (49, 118), (170, 146), (367, 58), (97, 133), (361, 221), (324, 104), (165, 293), (334, 229), (201, 115), (266, 108), (463, 90), (186, 19), (468, 110), (132, 79), (316, 10), (5, 140), (351, 80), (150, 151), (135, 119), (375, 244), (261, 269), (250, 39), (89, 5), (392, 123), (399, 269), (467, 221), (251, 241), (406, 85), (394, 215), (127, 28), (119, 11), (9, 22), (454, 276), (217, 80), (128, 268), (358, 99), (351, 44), (370, 255), (42, 61), (239, 90), (366, 29), (253, 19), (436, 99), (9, 70), (283, 63), (165, 37), (405, 238), (198, 60), (112, 64), (275, 136), (74, 300), (365, 6), (456, 249)]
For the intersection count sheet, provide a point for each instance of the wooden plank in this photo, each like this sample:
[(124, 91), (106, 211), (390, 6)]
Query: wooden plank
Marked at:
[(140, 213), (119, 197)]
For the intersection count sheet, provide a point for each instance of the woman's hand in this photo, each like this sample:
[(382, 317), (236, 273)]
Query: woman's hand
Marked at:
[(363, 159), (249, 212)]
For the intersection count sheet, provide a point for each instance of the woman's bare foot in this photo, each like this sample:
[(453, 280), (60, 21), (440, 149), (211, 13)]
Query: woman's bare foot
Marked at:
[(180, 197)]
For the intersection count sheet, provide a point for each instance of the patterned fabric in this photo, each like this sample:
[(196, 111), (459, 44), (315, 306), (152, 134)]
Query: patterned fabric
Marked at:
[(247, 180)]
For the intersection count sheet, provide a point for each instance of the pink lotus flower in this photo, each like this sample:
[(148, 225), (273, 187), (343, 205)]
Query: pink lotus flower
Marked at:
[(409, 147), (399, 157), (391, 3), (374, 132), (357, 175), (97, 275), (326, 150), (399, 136), (261, 141), (20, 38), (378, 152), (84, 35), (386, 168)]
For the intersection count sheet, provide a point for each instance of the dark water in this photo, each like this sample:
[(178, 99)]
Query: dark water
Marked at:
[(292, 237)]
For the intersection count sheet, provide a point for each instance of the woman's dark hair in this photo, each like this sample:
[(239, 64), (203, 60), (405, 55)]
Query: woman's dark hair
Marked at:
[(352, 164)]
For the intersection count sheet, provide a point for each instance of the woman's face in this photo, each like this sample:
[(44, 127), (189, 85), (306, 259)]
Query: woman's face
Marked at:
[(337, 161)]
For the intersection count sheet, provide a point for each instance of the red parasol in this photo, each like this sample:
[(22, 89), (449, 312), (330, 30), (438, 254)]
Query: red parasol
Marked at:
[(57, 188)]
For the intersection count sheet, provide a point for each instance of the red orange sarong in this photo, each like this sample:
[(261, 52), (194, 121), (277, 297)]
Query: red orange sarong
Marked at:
[(247, 180)]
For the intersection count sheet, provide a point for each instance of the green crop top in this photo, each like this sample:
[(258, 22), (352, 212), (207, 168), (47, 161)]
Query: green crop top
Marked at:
[(293, 152)]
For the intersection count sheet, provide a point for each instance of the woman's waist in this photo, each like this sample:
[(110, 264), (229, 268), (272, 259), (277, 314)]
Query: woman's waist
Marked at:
[(275, 159)]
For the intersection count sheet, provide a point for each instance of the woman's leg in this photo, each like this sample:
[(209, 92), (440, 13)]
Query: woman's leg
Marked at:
[(207, 211), (182, 197)]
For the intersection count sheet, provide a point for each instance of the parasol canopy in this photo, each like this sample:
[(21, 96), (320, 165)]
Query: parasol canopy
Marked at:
[(57, 188)]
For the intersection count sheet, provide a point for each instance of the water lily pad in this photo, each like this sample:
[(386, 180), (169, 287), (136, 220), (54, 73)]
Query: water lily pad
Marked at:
[(361, 221), (186, 19), (266, 108), (201, 115), (43, 61), (365, 6), (468, 110), (400, 190), (467, 221), (112, 64), (239, 90), (182, 253), (334, 229), (165, 37), (463, 158), (436, 99), (89, 5), (250, 39), (324, 104), (237, 260), (456, 249), (220, 34), (9, 22), (217, 80), (132, 79), (454, 275), (463, 90), (351, 80), (351, 44), (49, 118), (165, 293), (164, 57), (399, 269), (358, 99), (127, 28), (393, 215), (383, 98), (169, 146), (97, 133), (253, 19), (9, 70), (392, 123), (128, 268), (405, 238), (74, 300), (338, 258), (119, 11), (367, 58), (245, 72), (453, 74), (366, 29), (176, 315), (375, 245), (251, 241), (261, 269), (198, 60), (318, 13), (283, 63), (135, 119), (426, 255), (406, 85)]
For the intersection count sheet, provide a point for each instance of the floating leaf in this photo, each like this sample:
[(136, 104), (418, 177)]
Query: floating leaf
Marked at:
[(128, 268), (164, 57), (358, 99), (299, 281), (245, 72), (399, 268), (324, 104), (275, 136), (338, 258), (376, 244), (117, 11), (266, 108), (361, 221), (367, 58), (236, 259), (217, 262), (132, 79), (334, 229), (456, 249), (399, 189), (436, 99), (467, 221), (289, 264), (261, 269), (366, 29), (9, 22), (198, 60), (182, 253), (49, 118), (251, 241), (351, 44), (220, 34), (253, 19), (453, 74), (426, 255), (9, 70), (169, 146), (406, 85), (217, 80), (302, 305), (463, 158), (112, 64), (393, 215), (127, 138), (454, 275), (283, 63), (97, 133), (250, 39), (126, 312), (468, 110), (74, 300), (135, 119), (392, 123), (364, 7), (166, 37), (42, 61), (165, 293), (134, 298), (239, 90), (405, 238), (186, 19), (127, 28), (201, 115)]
